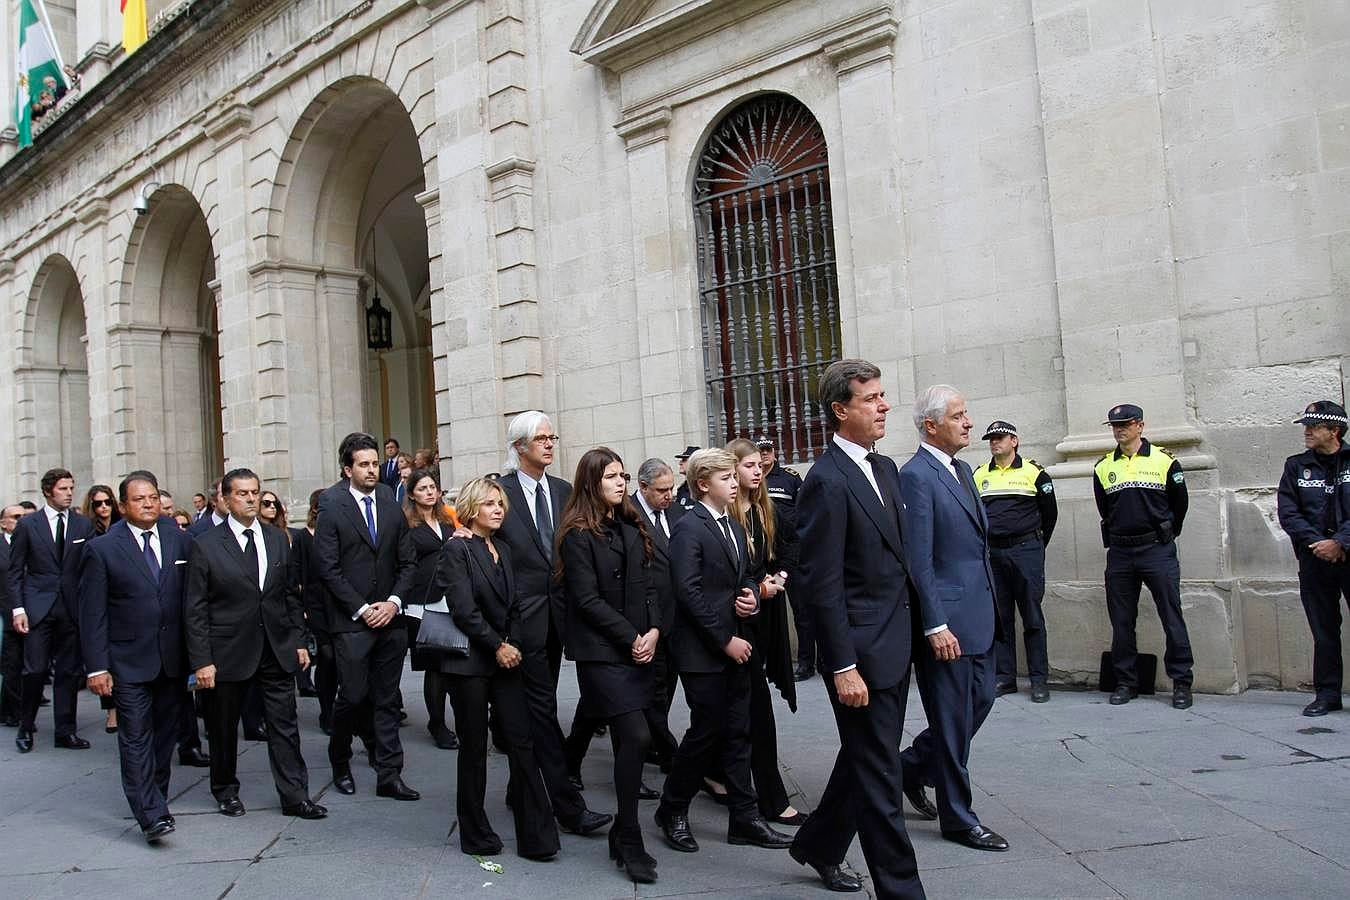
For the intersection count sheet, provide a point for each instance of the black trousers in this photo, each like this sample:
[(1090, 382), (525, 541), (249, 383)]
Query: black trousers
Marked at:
[(1154, 565), (1019, 588), (957, 697), (719, 723), (369, 666), (863, 795), (53, 643), (470, 696), (541, 701), (664, 742), (189, 737), (806, 631), (770, 791), (1322, 586), (147, 729), (11, 674), (283, 731), (325, 678)]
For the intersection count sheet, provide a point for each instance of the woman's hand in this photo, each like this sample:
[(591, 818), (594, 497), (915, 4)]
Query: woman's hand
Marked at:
[(644, 647)]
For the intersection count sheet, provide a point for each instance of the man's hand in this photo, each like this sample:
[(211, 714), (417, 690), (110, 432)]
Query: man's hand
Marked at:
[(378, 615), (1328, 550), (508, 657), (738, 649), (21, 623), (851, 688), (945, 645), (461, 533), (746, 603), (302, 654), (101, 684), (644, 647), (206, 677)]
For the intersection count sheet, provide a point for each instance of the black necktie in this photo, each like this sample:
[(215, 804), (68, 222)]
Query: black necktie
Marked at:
[(877, 474), (543, 521), (659, 524), (150, 559), (726, 530), (60, 536), (251, 554)]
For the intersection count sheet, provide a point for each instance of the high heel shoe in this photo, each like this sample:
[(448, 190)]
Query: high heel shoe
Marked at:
[(629, 854)]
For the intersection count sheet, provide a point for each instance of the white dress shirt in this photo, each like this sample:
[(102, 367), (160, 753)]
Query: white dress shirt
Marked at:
[(51, 524), (651, 514), (238, 528), (528, 485), (360, 499), (441, 605), (858, 453)]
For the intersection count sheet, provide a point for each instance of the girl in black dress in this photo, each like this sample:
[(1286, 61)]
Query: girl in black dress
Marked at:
[(429, 527), (604, 559)]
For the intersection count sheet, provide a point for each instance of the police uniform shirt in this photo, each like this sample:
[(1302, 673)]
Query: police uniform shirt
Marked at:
[(1141, 493), (1018, 499), (1312, 498), (783, 485)]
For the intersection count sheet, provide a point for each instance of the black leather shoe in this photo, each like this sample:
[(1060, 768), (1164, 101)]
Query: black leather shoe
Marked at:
[(342, 780), (796, 820), (1181, 696), (832, 876), (1123, 694), (194, 757), (305, 809), (977, 838), (161, 827), (71, 742), (232, 807), (1005, 687), (646, 793), (259, 735), (1039, 693), (396, 790), (10, 721), (24, 741), (445, 739), (675, 827), (918, 799), (587, 823), (757, 832), (803, 673), (1320, 707), (629, 854)]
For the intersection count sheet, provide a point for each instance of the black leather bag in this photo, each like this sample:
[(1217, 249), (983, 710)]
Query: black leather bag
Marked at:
[(439, 632)]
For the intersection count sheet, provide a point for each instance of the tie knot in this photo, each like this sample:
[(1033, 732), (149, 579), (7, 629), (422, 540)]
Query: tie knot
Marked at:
[(145, 536), (367, 500), (248, 533)]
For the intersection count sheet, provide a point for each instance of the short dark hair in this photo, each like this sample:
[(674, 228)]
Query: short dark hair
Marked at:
[(388, 440), (227, 483), (28, 505), (199, 494), (357, 440), (51, 477), (836, 385), (138, 475)]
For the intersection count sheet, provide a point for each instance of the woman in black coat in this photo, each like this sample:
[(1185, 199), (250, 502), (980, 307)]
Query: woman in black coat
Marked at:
[(474, 575), (429, 527), (314, 601), (605, 555)]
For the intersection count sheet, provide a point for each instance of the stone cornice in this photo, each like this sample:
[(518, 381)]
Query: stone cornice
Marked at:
[(92, 212), (229, 124), (613, 37), (646, 128), (437, 9), (6, 269), (155, 329), (873, 42), (102, 51)]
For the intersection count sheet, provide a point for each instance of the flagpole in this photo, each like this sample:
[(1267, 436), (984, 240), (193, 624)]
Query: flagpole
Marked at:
[(46, 22)]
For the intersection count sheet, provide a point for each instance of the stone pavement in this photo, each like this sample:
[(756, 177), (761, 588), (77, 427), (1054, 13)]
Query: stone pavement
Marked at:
[(1237, 797)]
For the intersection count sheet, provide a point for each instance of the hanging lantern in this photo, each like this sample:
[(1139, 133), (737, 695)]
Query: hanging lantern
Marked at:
[(379, 325)]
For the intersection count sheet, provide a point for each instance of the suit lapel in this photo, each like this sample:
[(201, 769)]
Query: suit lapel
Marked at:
[(232, 549), (716, 529), (958, 490), (861, 489), (126, 541), (358, 517), (518, 501), (44, 528), (482, 557)]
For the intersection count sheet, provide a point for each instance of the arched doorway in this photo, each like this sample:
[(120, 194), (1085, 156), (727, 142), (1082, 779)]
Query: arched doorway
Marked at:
[(348, 228), (53, 387), (168, 345)]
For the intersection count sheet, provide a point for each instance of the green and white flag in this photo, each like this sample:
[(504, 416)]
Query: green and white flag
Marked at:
[(38, 61)]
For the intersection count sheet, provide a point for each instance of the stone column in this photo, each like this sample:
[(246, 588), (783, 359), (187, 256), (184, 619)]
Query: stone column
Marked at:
[(186, 415), (12, 311), (139, 387), (92, 216)]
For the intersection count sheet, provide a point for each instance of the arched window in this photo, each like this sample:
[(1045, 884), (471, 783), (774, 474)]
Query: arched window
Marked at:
[(768, 290)]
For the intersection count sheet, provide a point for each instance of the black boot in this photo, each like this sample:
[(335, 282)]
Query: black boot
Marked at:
[(629, 854)]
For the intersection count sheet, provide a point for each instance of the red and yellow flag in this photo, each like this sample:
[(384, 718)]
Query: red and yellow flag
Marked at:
[(133, 25)]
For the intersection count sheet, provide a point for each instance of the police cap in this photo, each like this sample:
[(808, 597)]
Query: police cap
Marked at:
[(1125, 412), (688, 452), (764, 443), (1323, 412), (997, 427)]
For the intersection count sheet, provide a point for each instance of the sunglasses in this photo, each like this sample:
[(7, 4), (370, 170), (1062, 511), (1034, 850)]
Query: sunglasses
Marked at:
[(102, 503), (269, 503)]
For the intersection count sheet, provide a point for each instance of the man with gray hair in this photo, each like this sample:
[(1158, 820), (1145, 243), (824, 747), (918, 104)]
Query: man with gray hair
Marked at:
[(946, 535)]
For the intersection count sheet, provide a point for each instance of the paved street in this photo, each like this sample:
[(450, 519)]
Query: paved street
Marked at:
[(1238, 797)]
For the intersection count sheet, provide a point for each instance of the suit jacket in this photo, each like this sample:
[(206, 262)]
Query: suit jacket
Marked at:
[(541, 598), (204, 524), (425, 548), (228, 617), (6, 608), (37, 582), (356, 571), (660, 571), (946, 533), (131, 623), (610, 594), (305, 576), (483, 601), (389, 473), (852, 568), (707, 577)]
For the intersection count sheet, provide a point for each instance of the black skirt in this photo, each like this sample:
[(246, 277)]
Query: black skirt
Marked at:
[(612, 689)]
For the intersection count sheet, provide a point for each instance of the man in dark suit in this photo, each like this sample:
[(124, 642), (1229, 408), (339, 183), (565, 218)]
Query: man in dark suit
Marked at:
[(213, 514), (43, 575), (852, 572), (131, 633), (11, 650), (214, 517), (367, 569), (534, 504), (389, 474), (655, 499), (244, 625), (946, 532)]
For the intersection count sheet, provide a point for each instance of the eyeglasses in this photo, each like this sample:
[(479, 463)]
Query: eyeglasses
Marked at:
[(269, 503), (545, 439), (97, 503)]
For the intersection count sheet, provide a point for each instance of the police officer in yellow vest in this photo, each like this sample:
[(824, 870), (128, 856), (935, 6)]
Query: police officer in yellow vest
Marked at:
[(1019, 498), (1141, 495)]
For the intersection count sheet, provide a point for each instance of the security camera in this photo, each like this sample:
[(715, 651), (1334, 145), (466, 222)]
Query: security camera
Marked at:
[(141, 202)]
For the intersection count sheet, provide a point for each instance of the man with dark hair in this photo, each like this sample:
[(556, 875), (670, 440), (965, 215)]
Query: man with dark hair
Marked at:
[(11, 653), (244, 624), (131, 586), (43, 577), (389, 475), (198, 506), (219, 512), (367, 568)]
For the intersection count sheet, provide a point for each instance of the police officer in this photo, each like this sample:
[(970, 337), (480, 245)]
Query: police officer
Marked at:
[(682, 495), (1141, 496), (1314, 508), (1019, 498), (782, 484)]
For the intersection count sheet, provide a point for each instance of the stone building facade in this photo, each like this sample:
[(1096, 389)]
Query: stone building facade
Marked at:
[(1056, 205)]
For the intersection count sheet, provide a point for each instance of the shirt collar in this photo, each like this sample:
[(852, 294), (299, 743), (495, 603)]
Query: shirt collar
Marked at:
[(943, 457), (529, 484), (712, 512), (642, 504), (53, 513), (1015, 464), (856, 452), (137, 531), (359, 497), (238, 527), (1143, 449)]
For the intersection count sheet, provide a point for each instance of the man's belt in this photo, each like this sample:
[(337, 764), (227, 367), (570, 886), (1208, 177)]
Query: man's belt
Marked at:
[(1003, 543)]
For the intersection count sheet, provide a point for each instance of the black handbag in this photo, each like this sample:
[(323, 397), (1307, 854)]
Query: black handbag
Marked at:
[(439, 632)]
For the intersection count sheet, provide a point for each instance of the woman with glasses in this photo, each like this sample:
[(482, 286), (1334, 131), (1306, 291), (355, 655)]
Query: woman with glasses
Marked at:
[(101, 509), (603, 561), (272, 511), (430, 525)]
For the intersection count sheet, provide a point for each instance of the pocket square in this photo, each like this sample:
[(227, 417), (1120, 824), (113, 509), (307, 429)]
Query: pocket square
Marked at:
[(79, 540), (180, 562)]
